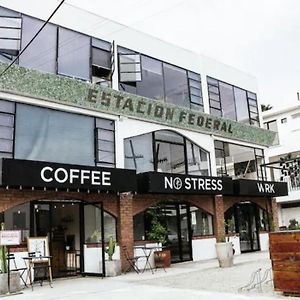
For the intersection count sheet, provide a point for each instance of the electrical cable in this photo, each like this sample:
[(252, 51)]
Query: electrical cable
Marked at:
[(17, 57)]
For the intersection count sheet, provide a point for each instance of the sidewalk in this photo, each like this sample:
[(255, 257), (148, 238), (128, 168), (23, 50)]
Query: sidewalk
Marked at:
[(188, 281)]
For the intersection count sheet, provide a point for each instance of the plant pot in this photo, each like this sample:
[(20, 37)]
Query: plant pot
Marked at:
[(15, 285), (112, 268), (162, 258), (225, 254)]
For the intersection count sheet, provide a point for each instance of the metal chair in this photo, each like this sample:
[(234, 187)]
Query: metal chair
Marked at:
[(132, 260), (11, 258)]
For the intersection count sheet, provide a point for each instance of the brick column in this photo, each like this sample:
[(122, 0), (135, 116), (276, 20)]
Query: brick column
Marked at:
[(274, 210), (219, 228), (125, 226)]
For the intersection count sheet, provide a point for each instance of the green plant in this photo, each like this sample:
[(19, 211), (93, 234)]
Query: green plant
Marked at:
[(294, 224), (110, 250), (3, 255), (157, 232)]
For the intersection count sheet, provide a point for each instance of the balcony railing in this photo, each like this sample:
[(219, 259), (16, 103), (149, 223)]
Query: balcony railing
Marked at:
[(292, 182)]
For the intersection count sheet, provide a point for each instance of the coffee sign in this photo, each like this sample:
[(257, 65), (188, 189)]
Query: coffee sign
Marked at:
[(28, 173), (153, 182)]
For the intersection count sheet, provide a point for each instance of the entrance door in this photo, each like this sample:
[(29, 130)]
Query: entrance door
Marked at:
[(59, 221), (177, 221), (248, 227)]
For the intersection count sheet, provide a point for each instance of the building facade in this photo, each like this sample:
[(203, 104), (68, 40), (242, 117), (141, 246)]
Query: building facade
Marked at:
[(104, 128), (284, 159)]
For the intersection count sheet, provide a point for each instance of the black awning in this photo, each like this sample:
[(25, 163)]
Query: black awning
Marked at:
[(246, 187), (37, 174), (164, 183)]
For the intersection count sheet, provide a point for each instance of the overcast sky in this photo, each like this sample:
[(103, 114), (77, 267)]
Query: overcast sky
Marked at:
[(261, 37)]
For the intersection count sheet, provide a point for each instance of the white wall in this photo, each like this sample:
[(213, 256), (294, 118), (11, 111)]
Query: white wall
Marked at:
[(204, 249), (289, 213), (264, 241)]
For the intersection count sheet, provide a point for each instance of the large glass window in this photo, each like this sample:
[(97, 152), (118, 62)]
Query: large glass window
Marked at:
[(238, 161), (226, 100), (176, 85), (201, 222), (165, 151), (152, 85), (152, 78), (49, 135), (41, 54), (73, 54), (10, 34)]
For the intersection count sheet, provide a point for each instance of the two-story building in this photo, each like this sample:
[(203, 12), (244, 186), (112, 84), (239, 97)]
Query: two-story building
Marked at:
[(285, 158), (103, 127)]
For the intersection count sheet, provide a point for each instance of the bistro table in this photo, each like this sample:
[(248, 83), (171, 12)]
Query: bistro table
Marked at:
[(147, 250), (40, 264)]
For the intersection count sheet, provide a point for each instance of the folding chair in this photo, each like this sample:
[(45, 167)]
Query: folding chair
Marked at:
[(132, 260), (11, 258)]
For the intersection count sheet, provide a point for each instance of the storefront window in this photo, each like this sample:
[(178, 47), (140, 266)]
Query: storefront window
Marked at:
[(7, 121), (173, 154), (18, 218), (201, 222), (238, 161)]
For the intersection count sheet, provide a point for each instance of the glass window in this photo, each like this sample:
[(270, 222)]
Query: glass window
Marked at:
[(130, 67), (139, 153), (197, 160), (18, 218), (41, 54), (201, 222), (10, 34), (7, 120), (240, 161), (152, 85), (227, 100), (73, 54), (242, 112), (176, 85), (49, 135), (105, 141), (7, 106)]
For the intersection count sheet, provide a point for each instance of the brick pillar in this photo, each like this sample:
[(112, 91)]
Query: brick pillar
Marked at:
[(125, 226), (274, 210), (219, 228)]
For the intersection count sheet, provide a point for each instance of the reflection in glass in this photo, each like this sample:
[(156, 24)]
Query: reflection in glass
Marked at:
[(201, 222)]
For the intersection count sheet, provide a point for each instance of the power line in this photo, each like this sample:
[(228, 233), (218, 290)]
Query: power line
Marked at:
[(28, 44)]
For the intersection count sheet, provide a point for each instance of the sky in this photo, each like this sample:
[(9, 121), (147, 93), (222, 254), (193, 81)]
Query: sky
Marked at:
[(260, 37)]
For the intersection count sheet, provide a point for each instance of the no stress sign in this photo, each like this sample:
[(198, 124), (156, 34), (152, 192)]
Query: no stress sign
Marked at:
[(152, 182)]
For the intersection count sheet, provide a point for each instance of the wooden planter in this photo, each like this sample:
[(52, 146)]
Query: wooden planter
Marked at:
[(162, 258), (285, 256)]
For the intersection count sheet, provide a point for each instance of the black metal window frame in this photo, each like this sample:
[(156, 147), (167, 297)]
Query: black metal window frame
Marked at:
[(9, 54), (190, 75), (12, 140), (215, 101), (98, 147)]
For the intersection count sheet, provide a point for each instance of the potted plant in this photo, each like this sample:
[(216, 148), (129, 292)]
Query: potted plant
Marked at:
[(112, 266), (158, 233), (14, 275), (224, 247)]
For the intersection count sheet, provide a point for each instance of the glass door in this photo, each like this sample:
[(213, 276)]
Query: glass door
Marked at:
[(93, 241), (248, 227), (177, 222)]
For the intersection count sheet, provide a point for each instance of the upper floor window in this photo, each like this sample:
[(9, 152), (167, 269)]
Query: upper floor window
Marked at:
[(56, 49), (239, 161), (152, 78), (165, 151), (10, 34), (228, 101)]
